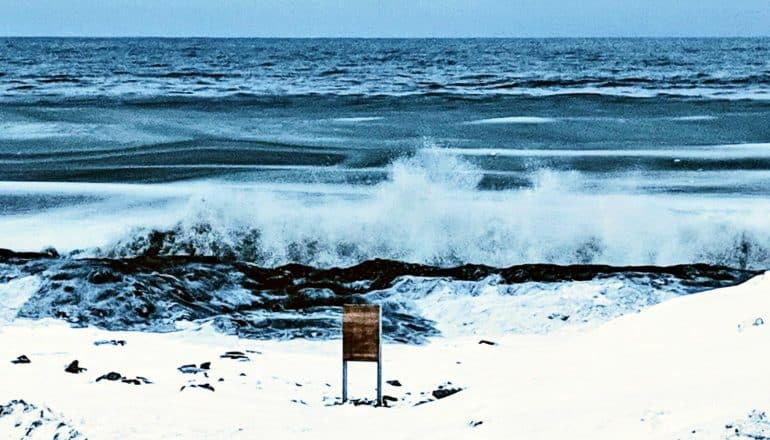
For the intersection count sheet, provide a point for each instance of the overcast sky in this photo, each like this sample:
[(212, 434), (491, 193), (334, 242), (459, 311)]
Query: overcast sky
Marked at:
[(385, 18)]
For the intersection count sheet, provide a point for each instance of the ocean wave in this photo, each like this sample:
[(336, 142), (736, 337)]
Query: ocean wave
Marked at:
[(430, 211), (14, 94)]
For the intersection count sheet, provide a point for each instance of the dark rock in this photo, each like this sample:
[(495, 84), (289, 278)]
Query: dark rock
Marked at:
[(485, 342), (205, 366), (74, 368), (235, 355), (189, 369), (104, 276), (110, 342), (394, 383), (51, 252), (387, 398), (558, 316), (144, 283), (443, 392), (144, 380), (363, 402), (759, 321), (475, 423), (205, 386), (113, 376), (221, 379), (131, 381), (23, 359)]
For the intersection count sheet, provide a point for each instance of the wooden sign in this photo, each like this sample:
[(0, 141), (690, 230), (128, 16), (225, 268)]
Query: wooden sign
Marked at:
[(361, 341), (361, 333)]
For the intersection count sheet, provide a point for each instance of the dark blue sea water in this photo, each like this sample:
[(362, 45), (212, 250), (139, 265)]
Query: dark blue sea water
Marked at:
[(332, 152), (161, 68), (184, 179)]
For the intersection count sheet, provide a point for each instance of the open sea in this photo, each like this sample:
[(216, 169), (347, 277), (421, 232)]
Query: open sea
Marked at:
[(144, 182)]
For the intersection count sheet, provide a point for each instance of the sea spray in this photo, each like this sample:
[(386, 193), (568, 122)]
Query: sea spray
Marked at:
[(431, 211)]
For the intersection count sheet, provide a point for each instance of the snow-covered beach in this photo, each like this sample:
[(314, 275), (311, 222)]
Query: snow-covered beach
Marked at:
[(566, 238), (689, 367)]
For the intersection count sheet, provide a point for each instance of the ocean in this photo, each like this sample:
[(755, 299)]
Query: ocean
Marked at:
[(262, 183)]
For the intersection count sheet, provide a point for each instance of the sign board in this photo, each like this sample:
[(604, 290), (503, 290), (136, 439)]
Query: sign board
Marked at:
[(361, 341), (361, 333)]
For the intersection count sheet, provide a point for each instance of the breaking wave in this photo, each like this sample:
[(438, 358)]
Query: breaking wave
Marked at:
[(431, 211)]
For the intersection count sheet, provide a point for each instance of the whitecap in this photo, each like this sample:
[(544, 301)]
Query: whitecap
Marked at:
[(512, 120)]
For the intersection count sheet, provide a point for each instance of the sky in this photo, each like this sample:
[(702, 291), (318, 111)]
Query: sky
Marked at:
[(385, 18)]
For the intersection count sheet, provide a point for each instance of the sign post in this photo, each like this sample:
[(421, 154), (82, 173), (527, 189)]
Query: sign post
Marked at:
[(361, 341)]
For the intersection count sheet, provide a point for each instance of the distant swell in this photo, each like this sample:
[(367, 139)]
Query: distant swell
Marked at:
[(723, 68)]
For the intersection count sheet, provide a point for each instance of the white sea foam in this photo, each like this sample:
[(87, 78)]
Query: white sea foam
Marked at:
[(428, 211), (358, 119), (694, 118), (512, 120), (734, 151), (490, 307)]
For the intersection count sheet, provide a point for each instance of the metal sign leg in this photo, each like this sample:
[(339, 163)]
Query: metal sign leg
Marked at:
[(379, 383), (379, 357), (344, 381)]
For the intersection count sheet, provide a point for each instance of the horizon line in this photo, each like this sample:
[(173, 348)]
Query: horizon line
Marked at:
[(212, 37)]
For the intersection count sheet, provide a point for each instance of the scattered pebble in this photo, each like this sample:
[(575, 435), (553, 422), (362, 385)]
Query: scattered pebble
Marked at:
[(444, 391), (205, 386), (558, 316), (23, 359), (110, 342), (237, 355), (74, 368), (139, 380), (113, 376), (193, 369)]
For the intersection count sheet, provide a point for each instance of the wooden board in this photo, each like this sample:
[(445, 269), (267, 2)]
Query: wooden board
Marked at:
[(361, 333)]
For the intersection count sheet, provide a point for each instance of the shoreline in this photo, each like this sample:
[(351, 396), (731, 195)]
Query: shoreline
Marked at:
[(685, 368)]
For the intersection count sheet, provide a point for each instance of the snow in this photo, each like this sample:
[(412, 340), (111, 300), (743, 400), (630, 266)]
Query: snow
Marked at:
[(685, 368)]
